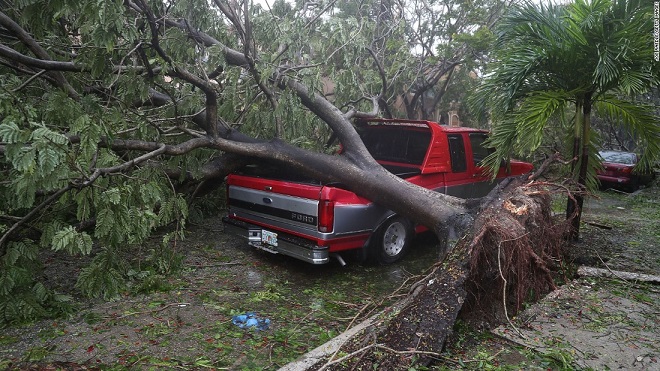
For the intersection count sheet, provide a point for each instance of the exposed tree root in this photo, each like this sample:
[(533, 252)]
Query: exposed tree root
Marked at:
[(523, 241), (511, 256)]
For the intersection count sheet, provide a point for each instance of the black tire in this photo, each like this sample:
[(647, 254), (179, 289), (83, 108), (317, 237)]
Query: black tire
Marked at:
[(391, 241)]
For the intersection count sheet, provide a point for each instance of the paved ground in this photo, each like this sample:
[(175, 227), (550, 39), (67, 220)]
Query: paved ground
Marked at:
[(597, 325)]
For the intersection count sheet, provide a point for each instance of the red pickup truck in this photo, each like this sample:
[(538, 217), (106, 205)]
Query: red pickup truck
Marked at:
[(284, 213)]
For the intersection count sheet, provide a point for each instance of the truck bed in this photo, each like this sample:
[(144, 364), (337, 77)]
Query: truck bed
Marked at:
[(276, 172)]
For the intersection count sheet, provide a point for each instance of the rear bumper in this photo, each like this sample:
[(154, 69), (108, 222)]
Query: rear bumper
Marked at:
[(613, 179), (289, 245)]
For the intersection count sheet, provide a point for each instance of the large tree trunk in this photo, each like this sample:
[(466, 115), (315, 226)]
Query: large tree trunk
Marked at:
[(509, 253), (369, 179), (572, 207)]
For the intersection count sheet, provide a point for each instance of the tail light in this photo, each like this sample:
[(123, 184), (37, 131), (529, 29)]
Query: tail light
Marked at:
[(326, 216)]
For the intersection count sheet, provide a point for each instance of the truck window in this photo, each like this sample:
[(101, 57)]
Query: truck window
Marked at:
[(479, 152), (397, 143), (457, 153)]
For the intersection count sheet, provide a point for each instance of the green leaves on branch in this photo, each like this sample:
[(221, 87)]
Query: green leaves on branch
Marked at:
[(37, 157), (104, 277), (21, 298), (45, 152), (38, 160), (10, 133), (72, 241), (15, 252)]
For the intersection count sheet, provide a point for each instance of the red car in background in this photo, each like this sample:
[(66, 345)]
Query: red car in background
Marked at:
[(617, 171)]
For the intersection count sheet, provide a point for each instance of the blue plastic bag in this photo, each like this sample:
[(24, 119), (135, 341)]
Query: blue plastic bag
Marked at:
[(251, 320)]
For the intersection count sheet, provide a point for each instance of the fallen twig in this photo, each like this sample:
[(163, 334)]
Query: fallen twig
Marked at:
[(383, 347), (215, 265), (601, 226), (625, 276), (149, 311), (338, 360)]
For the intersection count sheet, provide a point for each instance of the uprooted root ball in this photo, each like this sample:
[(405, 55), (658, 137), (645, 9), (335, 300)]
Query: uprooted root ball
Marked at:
[(517, 247)]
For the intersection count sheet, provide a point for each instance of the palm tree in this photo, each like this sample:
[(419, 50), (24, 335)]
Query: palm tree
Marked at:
[(582, 56)]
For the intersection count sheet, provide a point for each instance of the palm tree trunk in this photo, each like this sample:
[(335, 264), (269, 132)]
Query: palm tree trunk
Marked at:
[(571, 204), (584, 163), (581, 151)]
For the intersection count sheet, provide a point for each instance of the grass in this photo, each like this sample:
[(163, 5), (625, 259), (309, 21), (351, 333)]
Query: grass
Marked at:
[(302, 319)]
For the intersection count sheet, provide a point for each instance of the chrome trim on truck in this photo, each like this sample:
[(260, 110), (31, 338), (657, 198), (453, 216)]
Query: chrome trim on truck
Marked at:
[(300, 215), (293, 213), (287, 245)]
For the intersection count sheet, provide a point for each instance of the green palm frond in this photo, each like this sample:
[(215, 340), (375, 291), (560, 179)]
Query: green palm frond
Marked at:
[(606, 70), (550, 57), (502, 140), (636, 81), (530, 22), (587, 15), (532, 116)]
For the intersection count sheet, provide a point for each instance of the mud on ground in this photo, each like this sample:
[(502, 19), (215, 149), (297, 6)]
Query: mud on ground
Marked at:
[(605, 323)]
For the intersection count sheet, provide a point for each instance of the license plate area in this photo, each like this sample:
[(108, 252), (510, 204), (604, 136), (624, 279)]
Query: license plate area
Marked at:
[(262, 236)]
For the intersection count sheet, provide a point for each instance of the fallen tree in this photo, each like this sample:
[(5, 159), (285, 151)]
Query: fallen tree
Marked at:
[(100, 130), (513, 254)]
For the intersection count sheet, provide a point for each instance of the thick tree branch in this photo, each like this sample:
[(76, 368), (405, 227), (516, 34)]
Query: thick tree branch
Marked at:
[(353, 113), (332, 116), (233, 57), (45, 64), (40, 52), (385, 86), (233, 17)]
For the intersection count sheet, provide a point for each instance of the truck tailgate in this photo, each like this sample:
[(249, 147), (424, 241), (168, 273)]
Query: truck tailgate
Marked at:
[(277, 204)]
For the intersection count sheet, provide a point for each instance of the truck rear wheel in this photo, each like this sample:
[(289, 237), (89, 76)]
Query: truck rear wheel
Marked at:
[(391, 241)]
